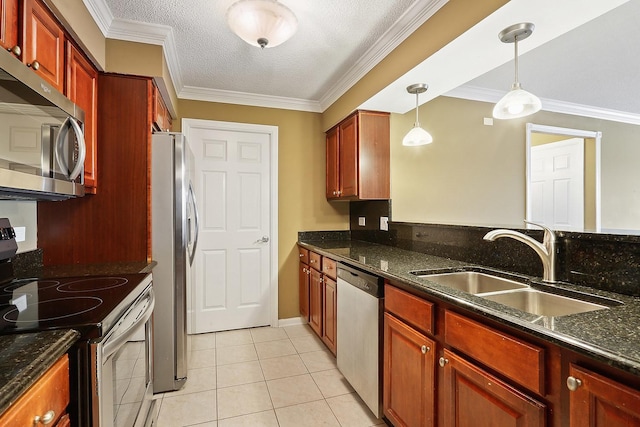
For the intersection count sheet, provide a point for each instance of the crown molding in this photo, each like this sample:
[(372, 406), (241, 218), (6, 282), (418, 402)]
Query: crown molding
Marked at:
[(475, 93), (101, 14), (243, 98), (409, 22)]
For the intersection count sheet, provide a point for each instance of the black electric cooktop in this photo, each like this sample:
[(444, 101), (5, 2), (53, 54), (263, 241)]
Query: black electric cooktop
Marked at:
[(88, 304)]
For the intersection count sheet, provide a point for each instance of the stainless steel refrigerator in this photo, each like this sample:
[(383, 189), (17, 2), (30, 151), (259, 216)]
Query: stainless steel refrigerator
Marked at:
[(174, 236)]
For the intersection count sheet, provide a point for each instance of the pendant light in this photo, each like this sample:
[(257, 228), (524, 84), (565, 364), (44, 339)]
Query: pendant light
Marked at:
[(517, 102), (262, 23), (417, 135)]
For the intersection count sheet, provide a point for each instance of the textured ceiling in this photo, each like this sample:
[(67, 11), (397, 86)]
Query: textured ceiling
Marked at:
[(334, 37)]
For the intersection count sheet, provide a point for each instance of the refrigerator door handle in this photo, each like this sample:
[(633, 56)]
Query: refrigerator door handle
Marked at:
[(197, 223)]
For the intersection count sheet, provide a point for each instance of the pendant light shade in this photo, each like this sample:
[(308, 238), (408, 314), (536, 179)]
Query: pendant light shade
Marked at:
[(517, 102), (417, 135), (262, 23)]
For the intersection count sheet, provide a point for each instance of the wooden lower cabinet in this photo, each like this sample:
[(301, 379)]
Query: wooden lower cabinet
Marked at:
[(315, 301), (598, 401), (409, 375), (329, 313), (47, 399), (473, 398), (303, 290)]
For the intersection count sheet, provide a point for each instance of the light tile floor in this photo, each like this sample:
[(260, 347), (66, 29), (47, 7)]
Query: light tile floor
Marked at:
[(271, 377)]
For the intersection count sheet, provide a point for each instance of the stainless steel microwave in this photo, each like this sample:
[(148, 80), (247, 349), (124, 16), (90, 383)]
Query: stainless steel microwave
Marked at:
[(42, 146)]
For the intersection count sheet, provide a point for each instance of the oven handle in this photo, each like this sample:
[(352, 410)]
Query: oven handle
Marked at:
[(111, 346)]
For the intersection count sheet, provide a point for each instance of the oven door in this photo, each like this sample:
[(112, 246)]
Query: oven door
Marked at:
[(122, 371)]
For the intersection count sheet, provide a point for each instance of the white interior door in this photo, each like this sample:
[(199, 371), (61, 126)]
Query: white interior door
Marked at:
[(235, 193), (557, 184)]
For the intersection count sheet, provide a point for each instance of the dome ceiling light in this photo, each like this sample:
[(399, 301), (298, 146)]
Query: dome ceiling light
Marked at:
[(262, 23), (517, 102), (417, 135)]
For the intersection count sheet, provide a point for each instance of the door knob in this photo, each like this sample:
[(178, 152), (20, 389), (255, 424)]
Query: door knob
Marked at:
[(573, 383), (263, 239)]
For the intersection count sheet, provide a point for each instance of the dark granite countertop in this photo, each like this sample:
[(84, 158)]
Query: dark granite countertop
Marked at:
[(611, 336), (26, 357)]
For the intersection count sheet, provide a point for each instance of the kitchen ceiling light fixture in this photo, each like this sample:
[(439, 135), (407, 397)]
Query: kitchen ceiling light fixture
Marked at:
[(517, 102), (262, 23), (417, 135)]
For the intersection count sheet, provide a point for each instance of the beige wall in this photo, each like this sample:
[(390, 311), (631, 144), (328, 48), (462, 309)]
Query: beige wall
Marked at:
[(301, 182), (475, 174)]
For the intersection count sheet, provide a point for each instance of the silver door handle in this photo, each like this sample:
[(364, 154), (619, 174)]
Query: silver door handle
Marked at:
[(192, 194), (263, 239)]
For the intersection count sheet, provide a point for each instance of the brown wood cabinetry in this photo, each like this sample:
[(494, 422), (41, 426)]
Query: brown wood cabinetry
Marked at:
[(597, 401), (472, 397), (161, 117), (329, 313), (409, 375), (358, 157), (9, 24), (303, 283), (43, 43), (121, 208), (82, 88), (48, 397), (318, 295)]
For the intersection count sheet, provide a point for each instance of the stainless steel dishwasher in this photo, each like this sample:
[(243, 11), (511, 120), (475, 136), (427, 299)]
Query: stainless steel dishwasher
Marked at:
[(359, 354)]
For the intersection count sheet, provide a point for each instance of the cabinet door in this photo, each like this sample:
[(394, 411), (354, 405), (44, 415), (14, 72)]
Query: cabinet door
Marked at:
[(303, 290), (82, 88), (409, 369), (474, 398), (8, 24), (601, 402), (348, 140), (315, 301), (43, 44), (329, 313), (333, 164)]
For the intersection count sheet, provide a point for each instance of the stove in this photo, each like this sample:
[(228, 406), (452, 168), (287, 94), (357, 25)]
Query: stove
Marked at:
[(89, 304), (110, 312)]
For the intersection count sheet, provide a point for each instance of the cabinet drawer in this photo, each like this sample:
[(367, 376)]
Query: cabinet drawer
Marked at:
[(49, 393), (516, 359), (329, 267), (413, 310), (303, 254), (315, 261)]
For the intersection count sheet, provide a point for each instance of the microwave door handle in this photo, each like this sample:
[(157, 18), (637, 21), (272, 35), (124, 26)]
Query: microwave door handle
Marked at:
[(197, 223), (82, 150), (61, 158)]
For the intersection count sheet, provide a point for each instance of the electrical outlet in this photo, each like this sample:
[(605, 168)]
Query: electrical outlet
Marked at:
[(384, 265), (20, 233), (362, 221), (384, 223)]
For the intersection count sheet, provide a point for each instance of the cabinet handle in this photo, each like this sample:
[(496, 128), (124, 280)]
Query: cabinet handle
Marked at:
[(45, 419), (339, 193), (304, 270), (335, 193), (322, 280), (15, 50), (424, 349), (443, 362), (573, 383), (35, 65), (301, 255)]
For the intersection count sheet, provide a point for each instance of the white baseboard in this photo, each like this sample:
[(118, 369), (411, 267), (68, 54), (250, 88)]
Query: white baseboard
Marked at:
[(291, 322)]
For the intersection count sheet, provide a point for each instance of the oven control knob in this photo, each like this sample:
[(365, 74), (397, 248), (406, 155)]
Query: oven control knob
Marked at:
[(45, 419)]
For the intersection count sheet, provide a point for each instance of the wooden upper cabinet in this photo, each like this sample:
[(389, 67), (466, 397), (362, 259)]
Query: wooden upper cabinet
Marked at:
[(9, 24), (161, 117), (43, 43), (82, 88), (358, 157), (598, 401), (333, 152)]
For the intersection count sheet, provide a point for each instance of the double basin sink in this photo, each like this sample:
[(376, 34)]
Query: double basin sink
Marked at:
[(517, 295)]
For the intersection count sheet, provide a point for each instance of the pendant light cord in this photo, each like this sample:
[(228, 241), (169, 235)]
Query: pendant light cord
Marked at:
[(515, 43), (417, 122)]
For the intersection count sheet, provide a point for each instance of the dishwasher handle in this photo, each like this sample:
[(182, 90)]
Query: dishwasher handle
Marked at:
[(366, 282)]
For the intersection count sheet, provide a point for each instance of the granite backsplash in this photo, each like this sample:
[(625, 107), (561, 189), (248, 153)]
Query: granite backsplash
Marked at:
[(609, 262)]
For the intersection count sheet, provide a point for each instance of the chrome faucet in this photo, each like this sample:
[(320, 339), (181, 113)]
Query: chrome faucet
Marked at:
[(545, 250)]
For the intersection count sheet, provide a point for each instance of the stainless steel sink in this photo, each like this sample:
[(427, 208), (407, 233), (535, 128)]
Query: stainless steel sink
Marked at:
[(472, 282), (543, 303)]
